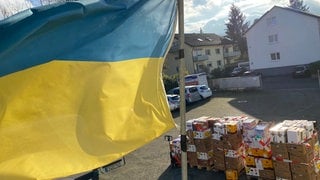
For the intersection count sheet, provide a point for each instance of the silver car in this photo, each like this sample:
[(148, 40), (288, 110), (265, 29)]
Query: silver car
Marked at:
[(191, 93)]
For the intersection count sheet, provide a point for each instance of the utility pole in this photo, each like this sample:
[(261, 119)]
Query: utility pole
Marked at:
[(183, 136)]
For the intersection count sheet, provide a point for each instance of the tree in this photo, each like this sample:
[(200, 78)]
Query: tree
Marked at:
[(236, 28), (297, 4)]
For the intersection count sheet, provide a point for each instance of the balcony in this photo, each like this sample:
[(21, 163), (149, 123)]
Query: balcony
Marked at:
[(232, 54), (200, 58)]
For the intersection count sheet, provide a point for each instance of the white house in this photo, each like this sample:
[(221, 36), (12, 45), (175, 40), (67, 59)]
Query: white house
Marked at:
[(283, 38)]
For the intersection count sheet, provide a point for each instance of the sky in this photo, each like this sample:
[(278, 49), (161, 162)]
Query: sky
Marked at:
[(212, 15), (208, 15)]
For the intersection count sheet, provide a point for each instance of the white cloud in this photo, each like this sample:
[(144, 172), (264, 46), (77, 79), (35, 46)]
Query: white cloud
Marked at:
[(200, 13), (11, 7)]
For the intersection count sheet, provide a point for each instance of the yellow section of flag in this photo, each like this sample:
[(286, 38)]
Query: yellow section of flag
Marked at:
[(69, 117)]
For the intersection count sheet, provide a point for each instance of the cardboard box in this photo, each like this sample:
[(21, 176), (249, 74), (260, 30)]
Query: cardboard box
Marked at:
[(233, 141), (304, 176), (262, 130), (250, 161), (279, 151), (203, 145), (281, 166), (232, 127), (260, 143), (189, 125), (282, 174), (205, 163), (249, 124), (234, 153), (266, 153), (278, 134), (190, 138), (232, 174), (263, 163), (296, 135), (191, 148), (192, 158), (200, 125), (299, 168), (299, 149), (303, 158), (234, 163), (217, 144), (248, 134), (202, 134), (218, 154), (205, 155), (250, 171), (219, 128), (266, 174), (217, 165)]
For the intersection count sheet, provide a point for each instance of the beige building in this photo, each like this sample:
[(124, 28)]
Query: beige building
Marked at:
[(203, 53)]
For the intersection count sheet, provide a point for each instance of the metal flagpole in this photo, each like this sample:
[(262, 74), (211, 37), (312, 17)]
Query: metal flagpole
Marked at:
[(184, 167)]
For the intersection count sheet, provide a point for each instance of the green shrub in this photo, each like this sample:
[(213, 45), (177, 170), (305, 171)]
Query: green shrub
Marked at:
[(170, 81), (314, 67)]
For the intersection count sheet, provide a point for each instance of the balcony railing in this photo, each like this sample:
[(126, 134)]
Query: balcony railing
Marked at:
[(200, 58), (232, 54)]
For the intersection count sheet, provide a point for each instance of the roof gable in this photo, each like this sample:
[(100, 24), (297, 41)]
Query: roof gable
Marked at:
[(282, 8)]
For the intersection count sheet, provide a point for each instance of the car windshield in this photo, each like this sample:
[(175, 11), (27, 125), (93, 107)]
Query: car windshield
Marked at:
[(300, 68), (203, 87), (175, 98)]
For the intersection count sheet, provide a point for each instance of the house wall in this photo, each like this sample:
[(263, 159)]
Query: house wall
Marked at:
[(171, 63), (212, 58), (298, 39)]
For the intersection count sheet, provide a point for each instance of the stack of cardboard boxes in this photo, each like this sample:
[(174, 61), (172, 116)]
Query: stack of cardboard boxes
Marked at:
[(216, 143), (231, 143), (199, 151), (287, 150), (258, 161), (295, 150)]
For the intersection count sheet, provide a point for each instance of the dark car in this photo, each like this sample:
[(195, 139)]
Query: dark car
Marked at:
[(301, 71), (238, 71)]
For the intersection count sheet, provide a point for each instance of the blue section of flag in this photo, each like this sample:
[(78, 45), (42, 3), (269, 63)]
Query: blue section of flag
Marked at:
[(89, 31)]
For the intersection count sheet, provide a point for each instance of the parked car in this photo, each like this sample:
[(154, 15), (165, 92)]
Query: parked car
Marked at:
[(191, 93), (205, 92), (174, 101), (252, 73), (238, 71), (301, 71)]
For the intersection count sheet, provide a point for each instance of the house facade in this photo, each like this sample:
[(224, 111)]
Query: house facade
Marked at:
[(202, 53), (283, 38)]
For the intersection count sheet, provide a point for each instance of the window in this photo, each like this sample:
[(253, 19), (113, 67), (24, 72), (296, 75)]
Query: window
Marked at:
[(275, 56), (219, 62), (271, 21), (209, 65), (273, 38), (208, 52), (217, 51)]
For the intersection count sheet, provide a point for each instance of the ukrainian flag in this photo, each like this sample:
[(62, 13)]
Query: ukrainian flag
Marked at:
[(81, 85)]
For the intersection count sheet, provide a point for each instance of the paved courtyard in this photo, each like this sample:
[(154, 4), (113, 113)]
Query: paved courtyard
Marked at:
[(287, 98)]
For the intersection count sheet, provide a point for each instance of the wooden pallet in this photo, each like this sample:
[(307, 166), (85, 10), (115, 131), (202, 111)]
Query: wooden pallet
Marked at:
[(208, 168)]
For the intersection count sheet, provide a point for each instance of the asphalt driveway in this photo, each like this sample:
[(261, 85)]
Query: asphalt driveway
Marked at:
[(281, 98)]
